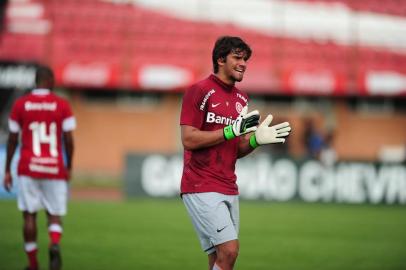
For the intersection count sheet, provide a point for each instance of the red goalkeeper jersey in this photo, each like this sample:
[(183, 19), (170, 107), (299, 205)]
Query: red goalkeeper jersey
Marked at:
[(210, 105)]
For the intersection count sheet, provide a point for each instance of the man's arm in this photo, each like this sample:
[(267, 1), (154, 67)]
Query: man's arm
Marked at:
[(193, 138), (69, 146), (244, 147), (12, 143)]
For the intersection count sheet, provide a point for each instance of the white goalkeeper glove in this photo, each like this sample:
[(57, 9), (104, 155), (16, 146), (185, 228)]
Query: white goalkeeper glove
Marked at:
[(266, 134), (244, 123)]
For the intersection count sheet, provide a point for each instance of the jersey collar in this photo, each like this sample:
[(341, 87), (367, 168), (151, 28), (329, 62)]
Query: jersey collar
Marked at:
[(225, 86), (40, 91)]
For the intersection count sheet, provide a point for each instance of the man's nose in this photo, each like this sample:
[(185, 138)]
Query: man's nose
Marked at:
[(242, 63)]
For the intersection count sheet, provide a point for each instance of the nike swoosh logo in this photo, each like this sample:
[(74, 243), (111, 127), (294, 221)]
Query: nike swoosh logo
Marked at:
[(215, 105), (219, 230)]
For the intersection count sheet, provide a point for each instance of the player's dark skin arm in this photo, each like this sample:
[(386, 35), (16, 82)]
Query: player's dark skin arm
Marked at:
[(12, 143), (68, 140), (244, 147), (194, 138)]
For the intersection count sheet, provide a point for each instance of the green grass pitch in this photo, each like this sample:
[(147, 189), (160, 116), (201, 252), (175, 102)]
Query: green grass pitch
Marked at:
[(157, 234)]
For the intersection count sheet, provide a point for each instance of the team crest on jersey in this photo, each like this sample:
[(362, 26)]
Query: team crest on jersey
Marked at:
[(238, 107)]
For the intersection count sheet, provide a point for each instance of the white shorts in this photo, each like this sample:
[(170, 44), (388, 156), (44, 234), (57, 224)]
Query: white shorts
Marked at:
[(34, 195), (215, 217)]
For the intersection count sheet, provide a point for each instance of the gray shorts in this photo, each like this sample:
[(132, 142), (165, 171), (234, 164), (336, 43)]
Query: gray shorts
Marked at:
[(34, 195), (215, 216)]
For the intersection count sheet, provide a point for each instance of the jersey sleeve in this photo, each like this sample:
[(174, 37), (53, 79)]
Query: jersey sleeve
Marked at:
[(14, 121), (69, 120), (193, 109)]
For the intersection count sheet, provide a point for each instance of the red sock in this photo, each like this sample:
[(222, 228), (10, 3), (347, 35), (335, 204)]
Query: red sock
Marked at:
[(31, 251), (55, 237), (55, 233)]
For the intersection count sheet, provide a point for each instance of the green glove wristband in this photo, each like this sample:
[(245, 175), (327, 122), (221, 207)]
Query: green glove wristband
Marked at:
[(253, 141), (228, 133)]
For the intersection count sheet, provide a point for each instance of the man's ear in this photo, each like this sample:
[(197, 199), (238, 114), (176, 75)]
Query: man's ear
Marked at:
[(221, 61)]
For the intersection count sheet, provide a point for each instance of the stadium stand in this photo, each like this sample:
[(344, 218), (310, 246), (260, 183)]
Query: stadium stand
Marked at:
[(128, 37), (391, 7)]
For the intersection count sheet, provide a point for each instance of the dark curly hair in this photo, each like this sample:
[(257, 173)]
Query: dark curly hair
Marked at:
[(227, 44), (44, 76)]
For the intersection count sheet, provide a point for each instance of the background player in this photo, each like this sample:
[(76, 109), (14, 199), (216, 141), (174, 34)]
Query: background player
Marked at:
[(45, 121), (214, 116)]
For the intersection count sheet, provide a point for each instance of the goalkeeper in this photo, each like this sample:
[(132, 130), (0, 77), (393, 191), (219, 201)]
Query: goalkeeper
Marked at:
[(216, 130)]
